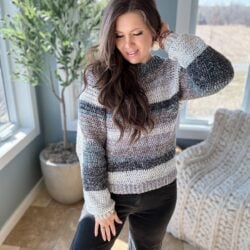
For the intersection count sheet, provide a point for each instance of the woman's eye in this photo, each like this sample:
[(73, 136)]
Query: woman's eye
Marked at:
[(118, 36), (138, 34)]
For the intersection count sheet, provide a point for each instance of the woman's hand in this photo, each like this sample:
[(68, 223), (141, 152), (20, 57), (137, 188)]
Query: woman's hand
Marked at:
[(107, 226), (165, 31)]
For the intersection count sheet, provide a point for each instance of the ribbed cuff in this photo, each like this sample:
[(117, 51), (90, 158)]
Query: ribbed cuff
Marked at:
[(103, 216), (169, 40), (99, 203), (184, 48)]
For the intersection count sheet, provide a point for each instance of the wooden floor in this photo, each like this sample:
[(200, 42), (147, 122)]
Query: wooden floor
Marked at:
[(48, 225)]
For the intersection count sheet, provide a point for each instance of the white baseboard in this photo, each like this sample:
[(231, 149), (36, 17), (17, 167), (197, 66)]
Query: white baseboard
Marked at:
[(19, 212)]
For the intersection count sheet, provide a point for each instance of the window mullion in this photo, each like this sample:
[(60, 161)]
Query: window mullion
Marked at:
[(246, 100)]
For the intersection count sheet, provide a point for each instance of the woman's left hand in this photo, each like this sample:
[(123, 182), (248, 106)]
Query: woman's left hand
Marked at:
[(107, 226), (165, 30)]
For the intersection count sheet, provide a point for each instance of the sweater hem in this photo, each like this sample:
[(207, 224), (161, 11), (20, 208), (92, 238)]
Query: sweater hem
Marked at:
[(143, 187)]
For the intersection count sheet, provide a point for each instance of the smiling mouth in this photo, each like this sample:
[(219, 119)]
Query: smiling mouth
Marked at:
[(132, 53)]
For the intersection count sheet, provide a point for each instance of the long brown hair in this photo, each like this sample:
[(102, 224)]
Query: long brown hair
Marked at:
[(120, 91)]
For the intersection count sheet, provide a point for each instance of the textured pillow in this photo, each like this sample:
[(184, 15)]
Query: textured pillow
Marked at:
[(213, 204)]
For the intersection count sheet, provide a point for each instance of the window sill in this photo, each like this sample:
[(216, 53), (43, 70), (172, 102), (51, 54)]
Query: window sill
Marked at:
[(15, 144), (193, 132)]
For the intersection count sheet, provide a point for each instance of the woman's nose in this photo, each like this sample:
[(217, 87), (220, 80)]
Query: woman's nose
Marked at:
[(128, 42)]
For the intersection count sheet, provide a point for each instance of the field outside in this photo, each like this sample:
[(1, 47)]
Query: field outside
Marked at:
[(233, 42)]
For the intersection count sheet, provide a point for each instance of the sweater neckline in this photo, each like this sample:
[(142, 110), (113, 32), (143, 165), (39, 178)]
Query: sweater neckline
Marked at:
[(150, 66)]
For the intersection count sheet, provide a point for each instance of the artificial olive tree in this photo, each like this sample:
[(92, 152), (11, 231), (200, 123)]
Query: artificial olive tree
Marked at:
[(64, 29)]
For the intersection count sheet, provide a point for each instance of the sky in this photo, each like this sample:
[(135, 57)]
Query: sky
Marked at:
[(223, 2)]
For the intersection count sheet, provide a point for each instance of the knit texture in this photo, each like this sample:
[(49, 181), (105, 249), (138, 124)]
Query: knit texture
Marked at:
[(111, 166), (213, 204)]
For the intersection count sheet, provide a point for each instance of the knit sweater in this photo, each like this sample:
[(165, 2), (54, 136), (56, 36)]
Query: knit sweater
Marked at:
[(192, 70)]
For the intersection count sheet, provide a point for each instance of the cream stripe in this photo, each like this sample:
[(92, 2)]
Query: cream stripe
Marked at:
[(193, 45), (90, 96), (162, 93), (140, 176), (98, 202), (157, 142), (113, 134)]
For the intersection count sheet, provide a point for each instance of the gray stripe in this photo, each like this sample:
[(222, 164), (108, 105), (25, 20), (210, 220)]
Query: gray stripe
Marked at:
[(159, 106), (94, 166), (143, 164), (86, 108), (150, 67), (212, 76), (167, 104)]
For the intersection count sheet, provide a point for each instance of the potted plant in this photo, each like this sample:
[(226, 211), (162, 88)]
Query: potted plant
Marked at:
[(64, 29)]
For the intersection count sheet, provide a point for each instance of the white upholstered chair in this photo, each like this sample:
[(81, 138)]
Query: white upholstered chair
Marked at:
[(213, 204)]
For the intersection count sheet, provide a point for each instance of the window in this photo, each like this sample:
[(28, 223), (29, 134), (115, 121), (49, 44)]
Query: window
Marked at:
[(4, 116), (225, 25), (71, 99), (7, 118), (18, 111)]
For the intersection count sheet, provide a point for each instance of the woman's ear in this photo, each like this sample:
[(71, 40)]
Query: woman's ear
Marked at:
[(155, 42), (155, 45)]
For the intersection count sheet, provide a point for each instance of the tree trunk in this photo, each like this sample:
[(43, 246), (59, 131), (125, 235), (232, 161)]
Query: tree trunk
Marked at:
[(65, 130)]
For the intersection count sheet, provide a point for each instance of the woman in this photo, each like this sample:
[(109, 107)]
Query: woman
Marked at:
[(127, 123)]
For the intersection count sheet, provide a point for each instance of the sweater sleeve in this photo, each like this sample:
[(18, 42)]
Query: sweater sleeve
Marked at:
[(91, 140), (203, 71)]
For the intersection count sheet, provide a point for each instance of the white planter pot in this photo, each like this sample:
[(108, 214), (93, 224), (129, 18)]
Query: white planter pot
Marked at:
[(63, 181)]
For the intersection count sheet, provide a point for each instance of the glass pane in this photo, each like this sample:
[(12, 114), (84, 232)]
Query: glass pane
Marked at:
[(76, 93), (4, 116), (226, 27)]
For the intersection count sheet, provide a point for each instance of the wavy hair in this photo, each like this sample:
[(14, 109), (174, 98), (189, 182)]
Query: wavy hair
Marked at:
[(120, 91)]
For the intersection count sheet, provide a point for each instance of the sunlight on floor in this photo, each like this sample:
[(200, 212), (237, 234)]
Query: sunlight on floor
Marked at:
[(120, 245)]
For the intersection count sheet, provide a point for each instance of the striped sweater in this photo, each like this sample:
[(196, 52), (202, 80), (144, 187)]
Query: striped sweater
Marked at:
[(192, 70)]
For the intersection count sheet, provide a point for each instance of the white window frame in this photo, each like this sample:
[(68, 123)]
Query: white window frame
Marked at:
[(246, 100), (21, 99), (197, 129)]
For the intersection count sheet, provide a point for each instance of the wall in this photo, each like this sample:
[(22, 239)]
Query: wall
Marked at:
[(18, 178), (167, 9)]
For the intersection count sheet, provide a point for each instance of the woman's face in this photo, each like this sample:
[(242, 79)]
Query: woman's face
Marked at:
[(133, 38)]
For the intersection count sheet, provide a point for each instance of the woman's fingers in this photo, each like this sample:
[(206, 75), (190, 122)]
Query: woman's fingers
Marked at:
[(165, 31), (117, 219), (96, 228), (103, 232), (164, 27), (112, 224), (112, 228), (108, 234)]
